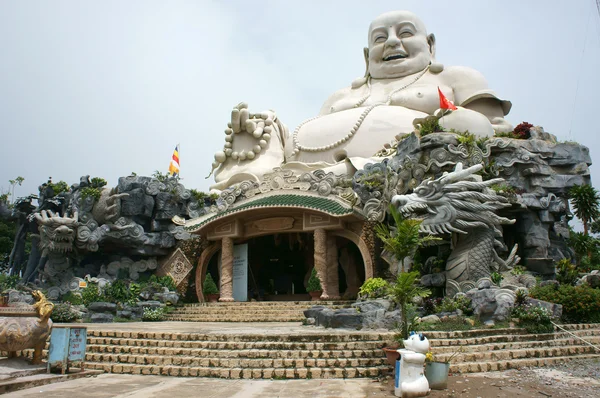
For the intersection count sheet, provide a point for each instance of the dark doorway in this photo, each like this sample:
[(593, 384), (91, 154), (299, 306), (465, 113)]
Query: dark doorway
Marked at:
[(279, 265)]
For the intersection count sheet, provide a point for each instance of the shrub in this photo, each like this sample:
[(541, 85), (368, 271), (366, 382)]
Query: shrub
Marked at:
[(566, 272), (73, 298), (521, 297), (429, 125), (164, 281), (209, 286), (430, 305), (117, 292), (91, 294), (153, 314), (65, 313), (580, 303), (533, 318), (522, 130), (98, 182), (517, 270), (462, 303), (314, 283), (374, 288), (496, 278), (8, 282)]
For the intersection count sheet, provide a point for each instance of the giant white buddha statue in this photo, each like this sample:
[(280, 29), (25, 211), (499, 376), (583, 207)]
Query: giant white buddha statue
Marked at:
[(400, 85)]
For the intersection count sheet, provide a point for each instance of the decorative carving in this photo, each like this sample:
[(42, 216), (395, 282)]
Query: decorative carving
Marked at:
[(177, 266), (29, 327), (226, 288), (273, 224), (458, 203)]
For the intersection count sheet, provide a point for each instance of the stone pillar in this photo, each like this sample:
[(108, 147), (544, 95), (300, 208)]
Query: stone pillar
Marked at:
[(226, 270), (333, 283), (321, 260)]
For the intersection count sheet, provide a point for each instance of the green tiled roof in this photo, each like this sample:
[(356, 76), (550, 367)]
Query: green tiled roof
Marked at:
[(321, 204)]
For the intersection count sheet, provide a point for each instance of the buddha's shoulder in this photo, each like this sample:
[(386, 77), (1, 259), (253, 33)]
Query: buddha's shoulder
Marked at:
[(460, 75)]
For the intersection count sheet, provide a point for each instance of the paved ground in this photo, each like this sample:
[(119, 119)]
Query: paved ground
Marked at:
[(577, 378), (130, 386), (263, 328)]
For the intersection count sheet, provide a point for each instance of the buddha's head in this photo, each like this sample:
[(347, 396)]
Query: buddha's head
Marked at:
[(398, 45)]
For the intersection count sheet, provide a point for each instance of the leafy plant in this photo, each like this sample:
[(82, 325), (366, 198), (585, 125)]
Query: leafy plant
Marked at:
[(533, 318), (91, 294), (580, 303), (522, 130), (509, 134), (496, 278), (98, 182), (430, 125), (59, 187), (73, 298), (118, 292), (403, 291), (162, 177), (8, 282), (153, 314), (586, 201), (314, 283), (566, 273), (404, 239), (90, 192), (374, 288), (64, 312), (448, 304), (209, 286), (164, 281), (521, 297), (517, 270)]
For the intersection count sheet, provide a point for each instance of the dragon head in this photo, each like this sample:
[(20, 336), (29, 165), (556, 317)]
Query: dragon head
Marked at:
[(455, 202), (57, 233)]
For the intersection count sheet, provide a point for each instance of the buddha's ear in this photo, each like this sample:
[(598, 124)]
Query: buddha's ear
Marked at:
[(366, 55), (431, 42)]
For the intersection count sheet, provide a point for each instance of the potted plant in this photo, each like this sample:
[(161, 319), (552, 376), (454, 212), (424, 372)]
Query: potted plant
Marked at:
[(404, 238), (403, 291), (210, 290), (314, 285), (436, 372)]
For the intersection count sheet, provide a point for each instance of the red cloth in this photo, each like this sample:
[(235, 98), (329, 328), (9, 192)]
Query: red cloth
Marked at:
[(445, 103)]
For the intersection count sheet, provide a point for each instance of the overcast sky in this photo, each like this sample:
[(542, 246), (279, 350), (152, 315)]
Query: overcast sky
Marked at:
[(107, 88)]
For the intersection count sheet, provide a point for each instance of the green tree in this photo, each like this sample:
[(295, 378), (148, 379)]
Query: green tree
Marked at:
[(19, 180), (403, 291), (404, 238), (586, 201)]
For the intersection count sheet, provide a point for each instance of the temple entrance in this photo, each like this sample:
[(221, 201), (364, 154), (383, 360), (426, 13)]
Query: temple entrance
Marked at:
[(279, 266)]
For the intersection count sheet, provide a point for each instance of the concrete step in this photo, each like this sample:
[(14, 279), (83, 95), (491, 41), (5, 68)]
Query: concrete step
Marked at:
[(273, 353), (239, 373), (510, 354), (307, 304), (211, 318), (21, 383), (505, 336), (254, 363), (128, 345), (559, 342), (473, 367)]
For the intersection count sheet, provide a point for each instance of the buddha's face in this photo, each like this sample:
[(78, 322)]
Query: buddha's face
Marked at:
[(398, 45)]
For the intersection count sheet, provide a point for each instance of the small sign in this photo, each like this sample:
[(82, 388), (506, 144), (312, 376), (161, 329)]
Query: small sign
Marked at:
[(82, 284), (77, 342)]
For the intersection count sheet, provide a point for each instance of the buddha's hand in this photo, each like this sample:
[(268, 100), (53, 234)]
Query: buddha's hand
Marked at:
[(249, 135), (256, 124)]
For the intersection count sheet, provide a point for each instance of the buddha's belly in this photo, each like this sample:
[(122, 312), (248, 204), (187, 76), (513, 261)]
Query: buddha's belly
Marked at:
[(379, 127)]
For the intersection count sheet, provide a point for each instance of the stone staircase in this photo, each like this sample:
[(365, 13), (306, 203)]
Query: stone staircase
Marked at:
[(326, 354), (255, 311), (249, 356), (501, 349)]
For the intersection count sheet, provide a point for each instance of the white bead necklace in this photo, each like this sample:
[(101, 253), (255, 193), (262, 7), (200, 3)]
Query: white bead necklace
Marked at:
[(298, 147)]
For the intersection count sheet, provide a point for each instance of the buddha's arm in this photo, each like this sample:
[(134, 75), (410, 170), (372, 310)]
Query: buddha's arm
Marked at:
[(471, 91), (332, 104)]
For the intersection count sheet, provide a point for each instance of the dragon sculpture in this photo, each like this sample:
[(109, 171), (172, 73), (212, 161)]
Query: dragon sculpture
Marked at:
[(458, 203)]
